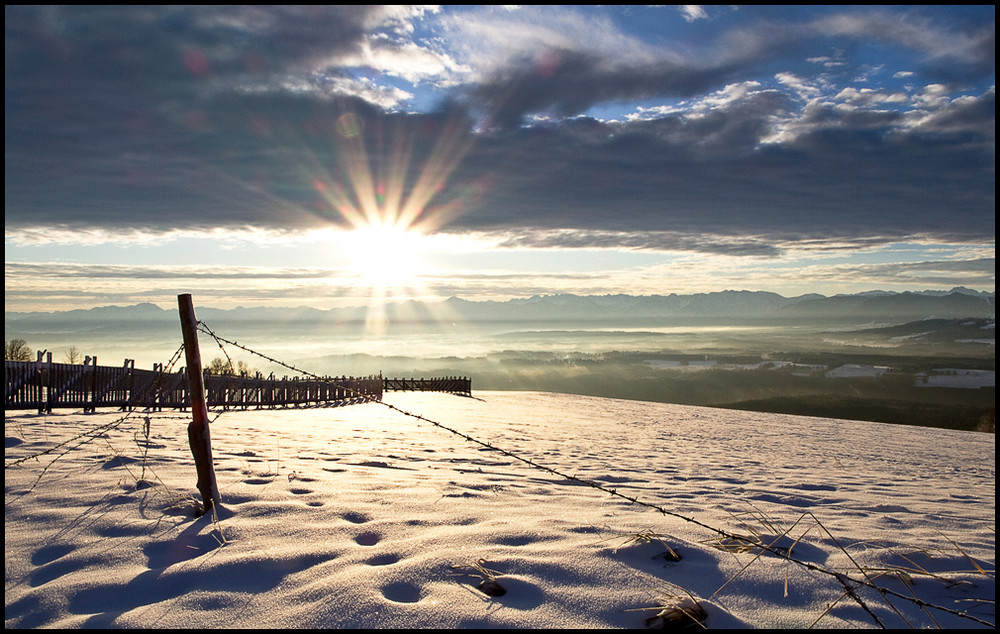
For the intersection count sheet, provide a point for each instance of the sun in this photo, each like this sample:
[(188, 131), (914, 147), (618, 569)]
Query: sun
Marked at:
[(385, 262), (387, 258), (387, 208)]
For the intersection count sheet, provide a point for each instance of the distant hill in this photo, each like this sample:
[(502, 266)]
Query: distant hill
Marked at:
[(893, 308), (736, 306), (724, 307), (933, 331)]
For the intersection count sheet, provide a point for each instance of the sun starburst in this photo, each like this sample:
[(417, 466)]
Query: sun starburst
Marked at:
[(389, 203)]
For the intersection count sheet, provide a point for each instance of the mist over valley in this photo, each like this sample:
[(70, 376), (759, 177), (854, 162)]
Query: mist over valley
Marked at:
[(910, 358)]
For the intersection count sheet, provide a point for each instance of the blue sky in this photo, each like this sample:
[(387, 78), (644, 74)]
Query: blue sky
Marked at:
[(331, 156)]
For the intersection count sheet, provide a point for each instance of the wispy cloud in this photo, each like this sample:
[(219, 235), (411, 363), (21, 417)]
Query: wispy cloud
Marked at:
[(692, 12)]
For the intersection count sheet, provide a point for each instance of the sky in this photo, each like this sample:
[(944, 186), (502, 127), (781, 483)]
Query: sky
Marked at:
[(328, 156)]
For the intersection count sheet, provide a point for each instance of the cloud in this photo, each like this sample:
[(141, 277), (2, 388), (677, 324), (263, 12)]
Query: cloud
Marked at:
[(177, 118), (967, 117), (692, 12), (549, 72), (488, 39), (639, 240), (257, 162), (840, 172), (568, 83), (169, 272), (980, 273), (945, 49)]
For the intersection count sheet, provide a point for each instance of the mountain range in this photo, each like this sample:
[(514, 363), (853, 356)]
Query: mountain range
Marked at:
[(723, 307)]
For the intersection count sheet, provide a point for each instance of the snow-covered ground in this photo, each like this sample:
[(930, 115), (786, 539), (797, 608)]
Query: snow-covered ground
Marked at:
[(857, 371), (360, 516)]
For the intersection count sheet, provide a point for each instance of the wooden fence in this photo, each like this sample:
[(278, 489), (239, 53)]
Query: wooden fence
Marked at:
[(453, 385), (44, 386)]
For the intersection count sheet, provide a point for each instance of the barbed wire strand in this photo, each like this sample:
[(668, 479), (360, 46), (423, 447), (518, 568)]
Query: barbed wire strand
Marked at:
[(849, 583)]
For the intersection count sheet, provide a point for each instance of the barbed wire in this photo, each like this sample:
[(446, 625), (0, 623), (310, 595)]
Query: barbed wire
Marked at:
[(848, 582), (203, 327)]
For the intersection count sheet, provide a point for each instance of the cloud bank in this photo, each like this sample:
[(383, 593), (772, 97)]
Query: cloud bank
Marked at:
[(755, 134)]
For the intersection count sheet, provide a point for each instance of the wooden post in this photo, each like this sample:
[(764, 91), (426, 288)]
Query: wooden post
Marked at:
[(198, 433), (49, 392), (94, 376)]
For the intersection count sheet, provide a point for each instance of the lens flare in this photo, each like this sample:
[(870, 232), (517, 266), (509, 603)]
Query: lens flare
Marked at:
[(386, 189)]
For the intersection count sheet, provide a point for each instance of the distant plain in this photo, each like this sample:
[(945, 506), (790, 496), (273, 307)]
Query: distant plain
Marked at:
[(931, 372)]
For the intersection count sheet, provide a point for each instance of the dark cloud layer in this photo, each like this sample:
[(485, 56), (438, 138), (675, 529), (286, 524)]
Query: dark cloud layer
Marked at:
[(841, 177), (173, 118), (570, 82), (566, 82)]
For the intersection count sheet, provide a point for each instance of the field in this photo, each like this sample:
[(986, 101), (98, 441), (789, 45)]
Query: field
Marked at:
[(857, 385), (361, 516)]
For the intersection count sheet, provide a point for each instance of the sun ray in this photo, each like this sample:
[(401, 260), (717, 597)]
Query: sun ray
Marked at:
[(387, 196)]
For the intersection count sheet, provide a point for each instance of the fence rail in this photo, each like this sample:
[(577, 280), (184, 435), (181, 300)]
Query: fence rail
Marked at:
[(453, 384), (44, 386)]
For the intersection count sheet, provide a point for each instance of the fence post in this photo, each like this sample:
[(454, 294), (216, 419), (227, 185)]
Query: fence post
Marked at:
[(38, 381), (199, 436), (90, 405), (93, 385), (48, 383), (129, 385)]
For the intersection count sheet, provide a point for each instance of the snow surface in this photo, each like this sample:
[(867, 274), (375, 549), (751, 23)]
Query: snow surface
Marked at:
[(360, 516), (856, 371)]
